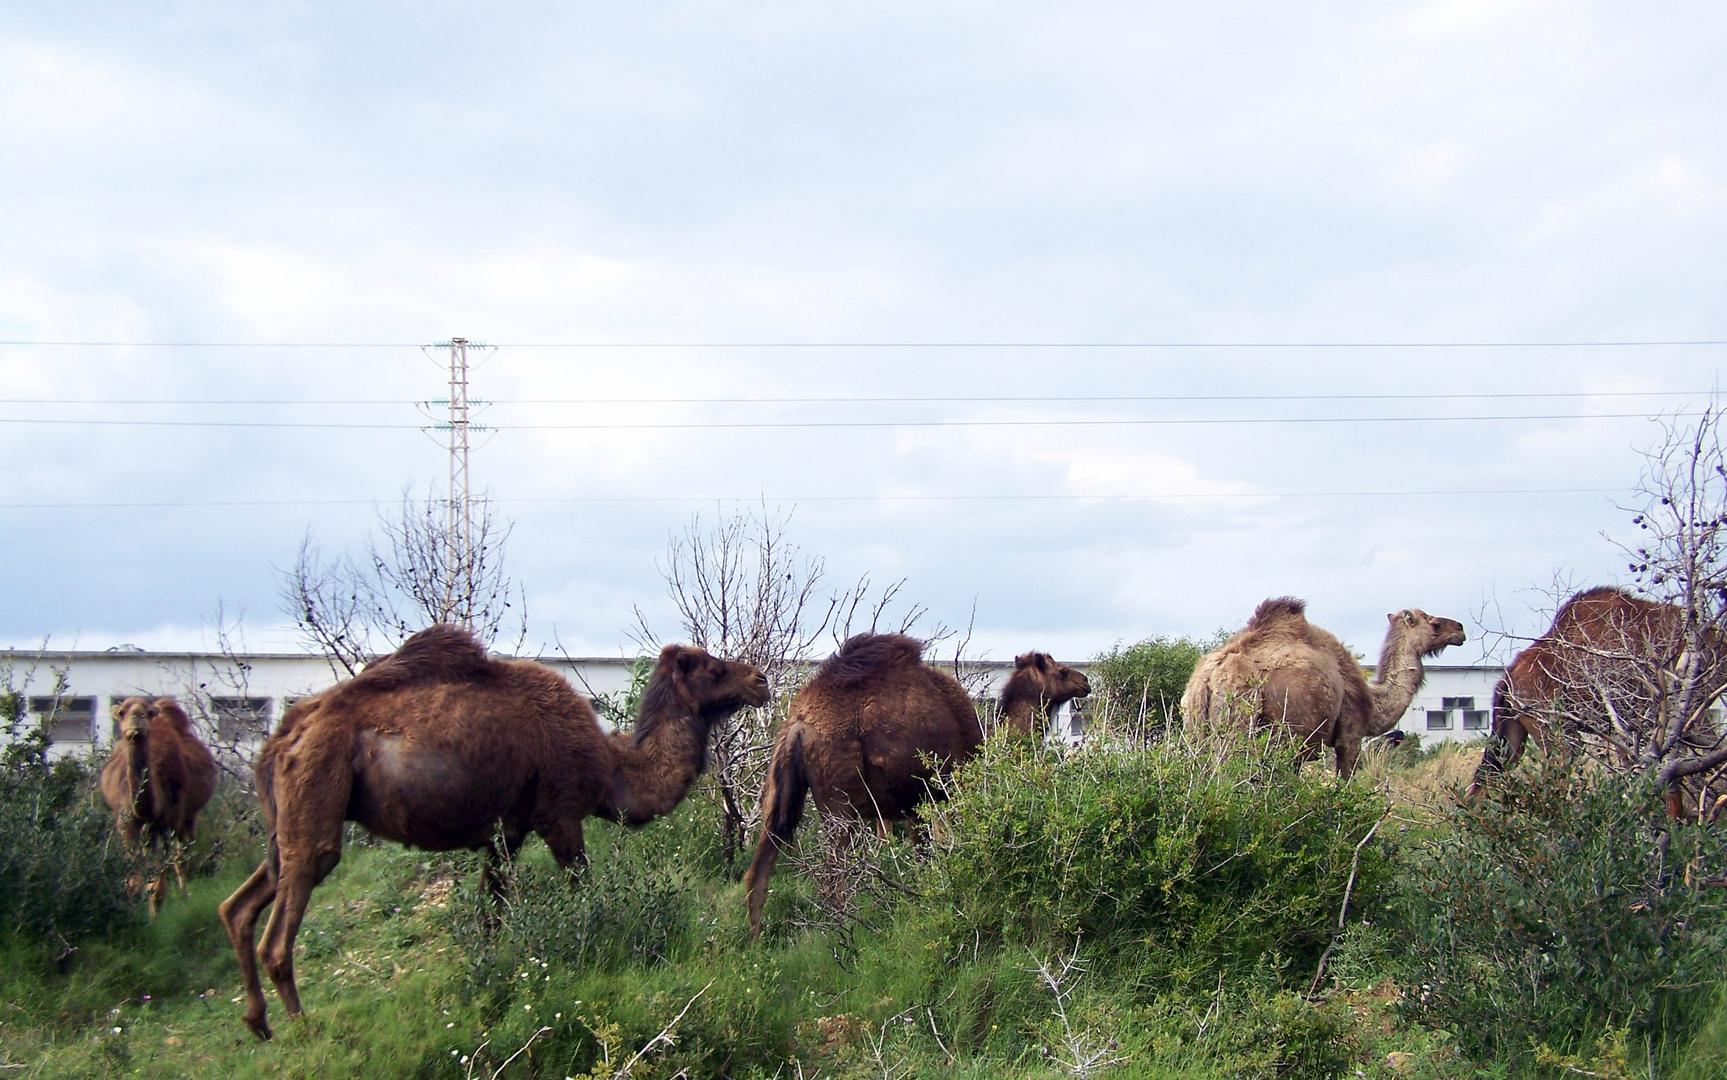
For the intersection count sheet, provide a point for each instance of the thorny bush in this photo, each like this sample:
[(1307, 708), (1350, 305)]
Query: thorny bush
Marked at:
[(1562, 906)]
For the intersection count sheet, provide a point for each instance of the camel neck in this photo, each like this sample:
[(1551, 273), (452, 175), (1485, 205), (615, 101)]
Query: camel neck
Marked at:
[(138, 772), (1394, 685), (655, 772), (1020, 709)]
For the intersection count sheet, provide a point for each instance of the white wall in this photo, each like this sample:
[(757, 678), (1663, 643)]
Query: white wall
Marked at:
[(196, 678)]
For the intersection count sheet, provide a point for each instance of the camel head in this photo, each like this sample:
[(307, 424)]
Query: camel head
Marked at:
[(1426, 634), (1053, 683), (1038, 686), (710, 688), (132, 717)]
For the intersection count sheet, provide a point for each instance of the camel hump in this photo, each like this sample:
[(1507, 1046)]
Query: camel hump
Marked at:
[(437, 654), (170, 709), (1277, 609), (864, 656)]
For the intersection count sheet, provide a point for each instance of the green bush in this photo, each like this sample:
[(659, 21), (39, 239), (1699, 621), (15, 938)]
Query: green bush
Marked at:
[(1138, 689), (1191, 862), (630, 906), (63, 868), (1562, 907)]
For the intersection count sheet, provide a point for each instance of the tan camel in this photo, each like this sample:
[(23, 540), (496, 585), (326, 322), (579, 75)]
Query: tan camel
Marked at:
[(441, 747), (1282, 671), (873, 727), (156, 782)]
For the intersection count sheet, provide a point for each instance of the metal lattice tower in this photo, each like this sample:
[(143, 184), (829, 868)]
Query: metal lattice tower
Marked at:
[(458, 547), (461, 510)]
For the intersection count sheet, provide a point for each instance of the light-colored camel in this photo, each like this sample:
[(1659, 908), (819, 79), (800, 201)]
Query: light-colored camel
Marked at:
[(157, 780), (1282, 671), (874, 727), (442, 747)]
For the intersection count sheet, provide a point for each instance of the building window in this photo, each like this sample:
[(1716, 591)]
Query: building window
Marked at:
[(69, 719), (1474, 719), (1457, 703), (241, 719), (1438, 720)]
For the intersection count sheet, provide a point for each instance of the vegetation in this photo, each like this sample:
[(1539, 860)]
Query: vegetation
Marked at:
[(1137, 690), (1132, 911)]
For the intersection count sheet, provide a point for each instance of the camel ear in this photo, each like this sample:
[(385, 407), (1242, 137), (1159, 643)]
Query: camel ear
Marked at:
[(1023, 660), (689, 660), (1409, 617), (155, 709), (114, 710)]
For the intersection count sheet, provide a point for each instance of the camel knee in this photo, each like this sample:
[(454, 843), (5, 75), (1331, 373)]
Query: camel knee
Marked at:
[(277, 959)]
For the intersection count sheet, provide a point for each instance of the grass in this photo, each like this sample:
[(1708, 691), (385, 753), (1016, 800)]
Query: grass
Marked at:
[(406, 973)]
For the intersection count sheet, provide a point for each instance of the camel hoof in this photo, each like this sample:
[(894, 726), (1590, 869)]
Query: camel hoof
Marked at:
[(259, 1028)]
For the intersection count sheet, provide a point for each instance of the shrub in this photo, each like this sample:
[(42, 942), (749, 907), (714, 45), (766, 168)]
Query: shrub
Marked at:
[(63, 869), (1198, 862), (1560, 908), (1139, 688), (629, 906)]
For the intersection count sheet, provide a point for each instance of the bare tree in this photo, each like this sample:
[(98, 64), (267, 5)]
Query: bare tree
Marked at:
[(422, 571), (1633, 676), (1681, 562), (743, 590)]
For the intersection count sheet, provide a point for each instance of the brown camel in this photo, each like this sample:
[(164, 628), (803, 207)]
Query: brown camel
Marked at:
[(1036, 689), (1604, 642), (1282, 671), (873, 727), (158, 779), (441, 747)]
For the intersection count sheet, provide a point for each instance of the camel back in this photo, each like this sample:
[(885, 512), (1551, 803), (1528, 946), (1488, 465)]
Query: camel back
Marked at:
[(437, 654), (865, 656), (168, 709), (1275, 610)]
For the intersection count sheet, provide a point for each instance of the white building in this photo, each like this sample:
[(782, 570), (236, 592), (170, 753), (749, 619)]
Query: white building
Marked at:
[(1454, 704), (236, 700)]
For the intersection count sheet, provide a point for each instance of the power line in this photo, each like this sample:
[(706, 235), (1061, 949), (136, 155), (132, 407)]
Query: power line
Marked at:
[(601, 499), (980, 399), (1577, 344), (723, 425)]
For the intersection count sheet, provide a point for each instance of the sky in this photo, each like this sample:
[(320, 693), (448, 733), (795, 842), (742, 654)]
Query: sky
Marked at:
[(1108, 320)]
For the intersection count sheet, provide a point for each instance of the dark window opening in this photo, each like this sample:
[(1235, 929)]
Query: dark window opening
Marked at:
[(241, 719), (69, 719)]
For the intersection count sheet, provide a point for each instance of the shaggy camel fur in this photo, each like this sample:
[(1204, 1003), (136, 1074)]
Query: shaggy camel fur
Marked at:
[(441, 747), (158, 779), (1283, 671), (1603, 640), (864, 732)]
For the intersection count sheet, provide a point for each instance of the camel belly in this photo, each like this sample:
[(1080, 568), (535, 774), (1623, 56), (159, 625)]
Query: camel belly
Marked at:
[(426, 796)]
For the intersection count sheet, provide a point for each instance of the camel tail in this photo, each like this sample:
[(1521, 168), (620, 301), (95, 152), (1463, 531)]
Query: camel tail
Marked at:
[(782, 808)]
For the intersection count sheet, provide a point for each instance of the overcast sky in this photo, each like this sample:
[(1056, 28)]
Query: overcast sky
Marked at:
[(1011, 176)]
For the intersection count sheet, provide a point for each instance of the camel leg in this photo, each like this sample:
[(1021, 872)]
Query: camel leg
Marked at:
[(296, 877), (1348, 754), (565, 840), (1503, 749), (239, 914), (494, 876)]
